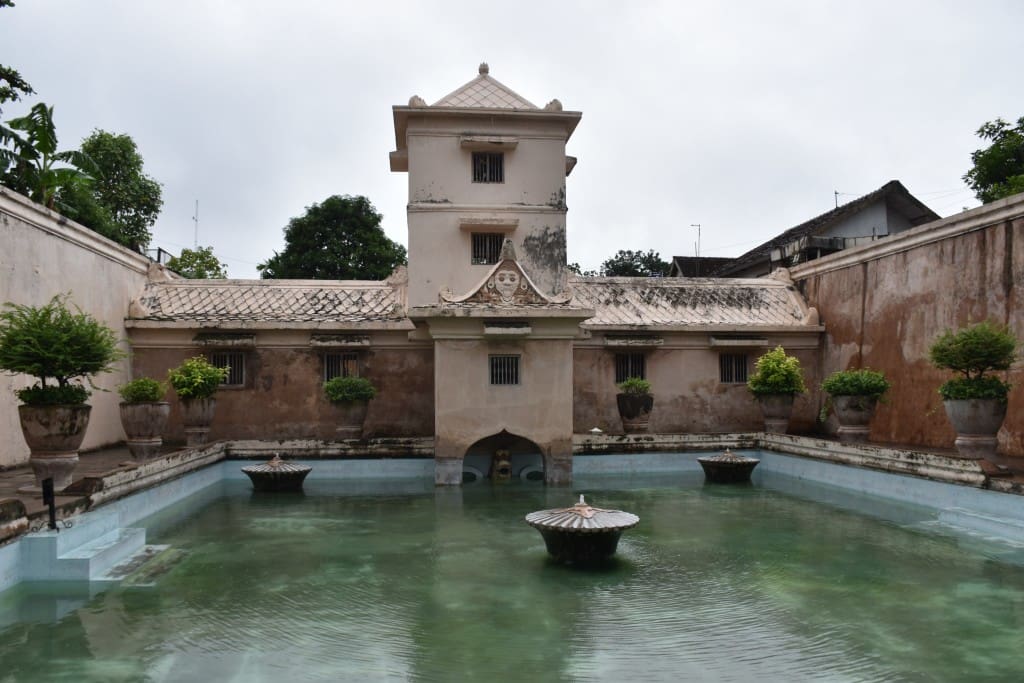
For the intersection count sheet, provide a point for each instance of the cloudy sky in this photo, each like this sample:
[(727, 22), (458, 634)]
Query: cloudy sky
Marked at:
[(743, 117)]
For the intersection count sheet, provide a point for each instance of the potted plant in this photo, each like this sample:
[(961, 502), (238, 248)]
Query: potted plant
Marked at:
[(144, 415), (58, 347), (195, 382), (776, 381), (635, 402), (975, 401), (853, 394), (352, 397)]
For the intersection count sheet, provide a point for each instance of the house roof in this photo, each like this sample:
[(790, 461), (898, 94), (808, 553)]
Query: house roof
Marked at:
[(691, 303), (893, 191), (696, 266), (241, 304), (486, 93)]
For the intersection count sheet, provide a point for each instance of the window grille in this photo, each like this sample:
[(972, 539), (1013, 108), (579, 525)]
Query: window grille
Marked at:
[(504, 370), (488, 167), (630, 365), (487, 248), (341, 365), (732, 368), (235, 362)]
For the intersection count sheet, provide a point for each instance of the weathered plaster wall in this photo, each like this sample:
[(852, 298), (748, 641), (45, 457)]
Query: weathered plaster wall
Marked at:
[(283, 396), (43, 254), (884, 304), (688, 396)]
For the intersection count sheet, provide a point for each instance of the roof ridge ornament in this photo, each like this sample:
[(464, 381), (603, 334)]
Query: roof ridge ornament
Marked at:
[(484, 69), (506, 285)]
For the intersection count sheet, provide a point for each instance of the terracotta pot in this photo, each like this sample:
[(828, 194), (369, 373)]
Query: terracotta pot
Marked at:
[(976, 422), (351, 417), (854, 413), (777, 409), (144, 426), (635, 411), (53, 435), (197, 414)]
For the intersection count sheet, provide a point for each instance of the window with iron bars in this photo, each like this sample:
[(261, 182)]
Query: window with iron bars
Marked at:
[(732, 368), (341, 365), (486, 248), (630, 365), (234, 361), (504, 370), (488, 167)]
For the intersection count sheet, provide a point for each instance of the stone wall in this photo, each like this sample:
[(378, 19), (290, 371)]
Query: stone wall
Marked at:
[(884, 304), (43, 254)]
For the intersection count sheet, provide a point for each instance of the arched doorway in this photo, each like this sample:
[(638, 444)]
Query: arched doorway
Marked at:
[(503, 456)]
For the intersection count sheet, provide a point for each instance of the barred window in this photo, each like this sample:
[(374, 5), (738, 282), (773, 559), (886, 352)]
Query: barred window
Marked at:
[(341, 365), (488, 167), (630, 365), (487, 248), (504, 370), (235, 362), (732, 368)]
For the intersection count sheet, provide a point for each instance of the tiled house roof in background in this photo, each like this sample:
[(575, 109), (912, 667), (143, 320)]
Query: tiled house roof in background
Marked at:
[(696, 266), (242, 303), (892, 189), (485, 92), (689, 302)]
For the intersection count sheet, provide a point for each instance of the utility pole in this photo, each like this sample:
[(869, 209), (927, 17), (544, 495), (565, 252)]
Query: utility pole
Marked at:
[(836, 193), (195, 219), (696, 251)]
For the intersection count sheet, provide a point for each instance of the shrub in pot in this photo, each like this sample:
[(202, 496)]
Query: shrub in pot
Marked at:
[(975, 401), (195, 382), (775, 382), (635, 402), (352, 397), (853, 395), (60, 347), (144, 415)]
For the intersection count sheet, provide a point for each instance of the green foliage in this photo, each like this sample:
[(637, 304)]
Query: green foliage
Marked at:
[(776, 373), (12, 85), (635, 385), (51, 342), (999, 168), (122, 202), (972, 352), (576, 269), (32, 164), (196, 378), (198, 264), (142, 390), (863, 382), (635, 264), (349, 389), (338, 239), (53, 395)]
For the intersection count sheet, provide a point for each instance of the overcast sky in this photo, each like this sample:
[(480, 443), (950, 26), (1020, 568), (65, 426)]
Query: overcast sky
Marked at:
[(743, 117)]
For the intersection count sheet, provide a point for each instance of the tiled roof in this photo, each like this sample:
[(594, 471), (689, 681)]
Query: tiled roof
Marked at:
[(686, 302), (216, 302), (485, 92)]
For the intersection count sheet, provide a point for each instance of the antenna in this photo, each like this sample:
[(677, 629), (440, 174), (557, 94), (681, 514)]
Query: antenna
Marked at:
[(697, 250), (836, 193), (195, 219)]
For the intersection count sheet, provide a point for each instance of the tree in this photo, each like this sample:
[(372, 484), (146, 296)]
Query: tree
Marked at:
[(338, 239), (122, 202), (12, 85), (198, 264), (998, 169), (31, 161), (635, 264)]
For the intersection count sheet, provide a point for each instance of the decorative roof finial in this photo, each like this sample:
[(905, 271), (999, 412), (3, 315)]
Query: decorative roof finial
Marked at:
[(484, 69)]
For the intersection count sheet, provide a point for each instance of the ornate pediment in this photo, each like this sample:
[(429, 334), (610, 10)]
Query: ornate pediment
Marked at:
[(506, 285)]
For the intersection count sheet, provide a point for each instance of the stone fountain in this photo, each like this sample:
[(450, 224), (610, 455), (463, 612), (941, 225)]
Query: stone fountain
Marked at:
[(728, 468), (581, 534), (277, 475)]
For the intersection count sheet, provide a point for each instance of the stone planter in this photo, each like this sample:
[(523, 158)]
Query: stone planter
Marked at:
[(635, 411), (53, 435), (144, 427), (776, 408), (351, 417), (976, 422), (197, 414), (854, 413)]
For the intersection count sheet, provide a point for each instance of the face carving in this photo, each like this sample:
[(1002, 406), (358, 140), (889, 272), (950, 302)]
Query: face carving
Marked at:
[(506, 282)]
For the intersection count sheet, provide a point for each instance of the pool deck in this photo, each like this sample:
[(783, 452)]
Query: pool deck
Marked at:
[(110, 473)]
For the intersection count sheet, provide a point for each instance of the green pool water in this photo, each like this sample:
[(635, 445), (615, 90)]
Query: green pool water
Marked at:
[(401, 582)]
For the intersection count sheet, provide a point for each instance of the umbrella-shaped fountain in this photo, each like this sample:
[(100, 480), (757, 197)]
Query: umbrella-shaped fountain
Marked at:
[(277, 475), (581, 534), (728, 468)]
